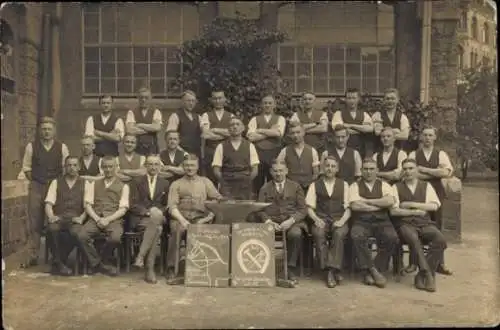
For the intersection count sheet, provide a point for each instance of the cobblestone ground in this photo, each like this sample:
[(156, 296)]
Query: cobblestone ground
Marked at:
[(34, 300)]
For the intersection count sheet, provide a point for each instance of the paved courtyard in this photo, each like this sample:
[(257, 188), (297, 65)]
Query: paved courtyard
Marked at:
[(34, 300)]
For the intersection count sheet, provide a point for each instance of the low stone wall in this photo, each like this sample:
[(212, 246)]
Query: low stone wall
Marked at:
[(14, 216)]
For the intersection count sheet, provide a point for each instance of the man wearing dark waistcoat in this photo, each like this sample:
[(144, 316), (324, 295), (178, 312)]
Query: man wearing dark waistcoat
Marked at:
[(65, 213), (286, 212), (149, 197), (358, 122), (43, 162), (236, 163), (348, 159), (301, 159), (106, 202), (327, 203), (106, 128), (391, 117), (433, 165), (215, 127), (390, 158), (315, 122), (90, 164), (266, 132), (172, 158), (145, 122), (186, 203), (130, 163), (188, 124), (370, 201), (414, 199)]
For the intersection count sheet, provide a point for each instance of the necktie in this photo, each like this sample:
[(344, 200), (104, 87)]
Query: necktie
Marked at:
[(280, 188)]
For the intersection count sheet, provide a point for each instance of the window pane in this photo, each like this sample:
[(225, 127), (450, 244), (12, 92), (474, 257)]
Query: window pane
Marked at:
[(92, 86), (353, 69), (124, 86), (157, 70), (385, 70), (353, 54), (287, 69), (108, 70), (336, 54), (386, 56), (108, 86), (304, 53), (287, 53), (91, 36), (171, 90), (157, 54), (353, 83), (124, 54), (336, 69), (108, 54), (91, 54), (320, 85), (370, 57), (320, 54), (123, 35), (370, 85), (92, 70), (384, 84), (337, 86), (157, 86), (304, 85), (124, 22), (173, 70), (140, 82), (370, 70), (303, 70), (140, 70), (124, 70), (140, 54), (108, 23), (173, 54), (91, 7), (91, 20), (320, 70)]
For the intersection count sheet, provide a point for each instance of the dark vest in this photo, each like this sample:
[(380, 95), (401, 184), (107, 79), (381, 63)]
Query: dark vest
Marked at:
[(315, 140), (134, 164), (216, 123), (178, 159), (189, 132), (433, 162), (46, 165), (405, 195), (105, 147), (69, 202), (331, 207), (396, 123), (346, 164), (107, 200), (93, 169), (146, 143), (364, 192), (355, 141), (392, 162), (270, 143), (300, 169), (236, 163)]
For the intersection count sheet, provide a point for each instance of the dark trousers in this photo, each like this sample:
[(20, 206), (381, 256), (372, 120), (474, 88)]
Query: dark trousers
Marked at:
[(238, 189), (294, 243), (146, 148), (207, 165), (36, 216), (151, 228), (264, 174), (62, 238), (387, 241), (113, 233), (418, 235), (330, 252)]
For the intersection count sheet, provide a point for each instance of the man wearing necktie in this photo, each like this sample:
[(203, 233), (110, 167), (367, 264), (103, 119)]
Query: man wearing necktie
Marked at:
[(149, 197)]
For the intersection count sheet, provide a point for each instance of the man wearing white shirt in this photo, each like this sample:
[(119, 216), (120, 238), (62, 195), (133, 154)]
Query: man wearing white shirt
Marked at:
[(172, 157), (106, 202), (130, 163), (315, 122), (390, 158), (90, 164), (391, 117), (414, 199), (433, 164), (358, 123), (236, 163), (370, 201), (327, 200), (215, 129), (145, 122), (43, 162), (106, 128), (266, 132)]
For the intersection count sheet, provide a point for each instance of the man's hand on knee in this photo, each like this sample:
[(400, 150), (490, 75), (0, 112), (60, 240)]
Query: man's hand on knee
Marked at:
[(53, 219)]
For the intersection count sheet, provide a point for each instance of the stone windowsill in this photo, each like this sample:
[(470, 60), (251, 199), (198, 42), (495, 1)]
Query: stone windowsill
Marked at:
[(14, 188)]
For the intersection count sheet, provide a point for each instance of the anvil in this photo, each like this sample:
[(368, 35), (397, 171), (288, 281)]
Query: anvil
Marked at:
[(232, 211)]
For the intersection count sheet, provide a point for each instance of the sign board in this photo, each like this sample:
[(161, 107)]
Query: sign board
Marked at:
[(207, 256), (252, 255)]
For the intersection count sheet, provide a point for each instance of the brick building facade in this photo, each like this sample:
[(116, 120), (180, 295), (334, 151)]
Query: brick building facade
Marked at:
[(69, 53)]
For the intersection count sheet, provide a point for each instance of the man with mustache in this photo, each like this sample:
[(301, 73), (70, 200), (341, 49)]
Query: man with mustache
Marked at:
[(172, 157)]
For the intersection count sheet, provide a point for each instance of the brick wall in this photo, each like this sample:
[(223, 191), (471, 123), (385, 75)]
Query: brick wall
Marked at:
[(14, 217)]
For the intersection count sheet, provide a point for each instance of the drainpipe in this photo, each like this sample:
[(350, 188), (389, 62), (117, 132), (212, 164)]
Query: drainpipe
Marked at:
[(45, 80), (425, 63), (56, 61)]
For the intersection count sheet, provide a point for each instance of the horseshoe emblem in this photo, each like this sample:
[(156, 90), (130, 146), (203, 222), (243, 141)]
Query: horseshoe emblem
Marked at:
[(253, 256)]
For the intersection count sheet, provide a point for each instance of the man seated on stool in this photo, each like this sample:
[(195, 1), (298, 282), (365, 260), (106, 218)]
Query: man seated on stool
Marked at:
[(172, 158), (328, 207), (186, 202), (106, 202), (287, 212), (370, 201), (130, 163), (147, 212), (414, 199), (236, 163), (65, 213)]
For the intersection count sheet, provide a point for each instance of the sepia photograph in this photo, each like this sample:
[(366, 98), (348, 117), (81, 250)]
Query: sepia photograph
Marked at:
[(249, 164)]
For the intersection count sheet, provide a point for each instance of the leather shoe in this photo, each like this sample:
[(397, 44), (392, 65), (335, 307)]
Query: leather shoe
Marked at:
[(368, 280), (419, 281), (30, 262), (430, 283), (139, 262), (64, 270), (379, 279), (108, 270), (442, 269), (330, 279), (410, 269), (291, 275), (150, 277), (172, 279), (338, 277)]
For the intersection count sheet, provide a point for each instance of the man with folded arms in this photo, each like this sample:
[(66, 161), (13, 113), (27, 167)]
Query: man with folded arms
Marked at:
[(328, 207), (130, 163), (172, 157), (90, 163), (186, 202), (147, 213), (414, 199), (65, 213), (390, 158)]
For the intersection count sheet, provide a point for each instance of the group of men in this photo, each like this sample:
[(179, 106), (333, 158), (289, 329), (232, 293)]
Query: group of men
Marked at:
[(337, 191)]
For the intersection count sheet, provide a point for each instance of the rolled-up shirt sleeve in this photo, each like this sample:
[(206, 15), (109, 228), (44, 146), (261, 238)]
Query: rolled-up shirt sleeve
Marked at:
[(65, 154), (88, 195), (51, 193), (346, 195), (157, 116), (130, 117), (386, 189), (431, 196), (377, 118), (218, 155), (27, 158), (173, 122), (254, 157), (252, 126), (401, 157), (204, 121), (444, 162), (120, 127), (337, 119), (281, 125), (354, 193), (315, 157), (295, 117), (358, 163), (89, 126), (395, 195), (124, 200), (311, 196), (212, 192), (282, 155), (405, 123)]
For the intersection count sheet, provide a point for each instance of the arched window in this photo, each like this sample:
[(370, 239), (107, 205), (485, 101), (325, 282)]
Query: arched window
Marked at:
[(460, 58), (486, 33), (474, 28)]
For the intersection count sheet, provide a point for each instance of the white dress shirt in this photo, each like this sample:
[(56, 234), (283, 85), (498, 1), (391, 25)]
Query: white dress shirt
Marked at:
[(219, 154), (28, 155), (90, 192), (119, 126)]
